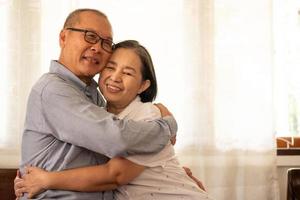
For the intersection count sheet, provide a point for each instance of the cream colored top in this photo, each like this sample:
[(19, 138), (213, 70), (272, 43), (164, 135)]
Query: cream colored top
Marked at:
[(163, 178)]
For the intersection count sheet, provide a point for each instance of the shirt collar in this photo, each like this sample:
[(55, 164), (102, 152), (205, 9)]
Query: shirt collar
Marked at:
[(133, 105), (65, 73)]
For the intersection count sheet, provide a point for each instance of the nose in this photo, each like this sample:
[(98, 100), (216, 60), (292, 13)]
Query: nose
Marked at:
[(116, 76), (96, 47)]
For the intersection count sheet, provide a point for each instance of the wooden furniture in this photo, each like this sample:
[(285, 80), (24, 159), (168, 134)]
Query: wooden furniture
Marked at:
[(293, 184), (7, 177)]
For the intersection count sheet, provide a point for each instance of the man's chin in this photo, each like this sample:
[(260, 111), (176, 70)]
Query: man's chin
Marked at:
[(91, 71)]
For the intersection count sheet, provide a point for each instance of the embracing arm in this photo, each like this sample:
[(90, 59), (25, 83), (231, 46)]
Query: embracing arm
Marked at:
[(118, 171), (74, 119)]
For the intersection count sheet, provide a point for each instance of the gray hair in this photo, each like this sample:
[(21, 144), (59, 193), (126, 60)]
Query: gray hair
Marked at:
[(74, 18)]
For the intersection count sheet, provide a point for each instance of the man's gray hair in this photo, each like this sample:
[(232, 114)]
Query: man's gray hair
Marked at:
[(73, 18)]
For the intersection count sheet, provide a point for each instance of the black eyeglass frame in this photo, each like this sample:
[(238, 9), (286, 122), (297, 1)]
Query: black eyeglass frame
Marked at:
[(103, 40)]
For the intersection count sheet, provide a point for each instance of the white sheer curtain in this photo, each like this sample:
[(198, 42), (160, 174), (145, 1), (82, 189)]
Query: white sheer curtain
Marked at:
[(229, 104), (214, 65), (20, 67)]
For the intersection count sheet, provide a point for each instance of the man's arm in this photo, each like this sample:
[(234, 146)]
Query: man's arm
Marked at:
[(74, 119), (118, 171)]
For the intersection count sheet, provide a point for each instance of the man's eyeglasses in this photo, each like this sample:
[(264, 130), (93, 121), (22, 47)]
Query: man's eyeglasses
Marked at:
[(92, 38)]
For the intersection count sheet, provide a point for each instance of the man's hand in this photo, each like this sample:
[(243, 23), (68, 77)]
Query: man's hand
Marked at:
[(163, 110), (197, 181)]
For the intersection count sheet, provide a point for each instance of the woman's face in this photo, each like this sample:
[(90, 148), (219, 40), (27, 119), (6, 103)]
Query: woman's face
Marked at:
[(121, 80)]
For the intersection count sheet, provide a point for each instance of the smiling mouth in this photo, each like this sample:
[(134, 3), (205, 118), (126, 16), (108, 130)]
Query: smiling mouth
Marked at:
[(112, 88), (91, 59)]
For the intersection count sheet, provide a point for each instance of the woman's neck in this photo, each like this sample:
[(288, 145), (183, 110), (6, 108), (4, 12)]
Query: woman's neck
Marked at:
[(115, 109)]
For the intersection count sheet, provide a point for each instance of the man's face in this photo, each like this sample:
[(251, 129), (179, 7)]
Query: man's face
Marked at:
[(85, 60)]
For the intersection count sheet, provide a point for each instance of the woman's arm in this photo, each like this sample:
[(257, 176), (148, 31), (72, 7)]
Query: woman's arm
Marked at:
[(118, 171), (196, 180)]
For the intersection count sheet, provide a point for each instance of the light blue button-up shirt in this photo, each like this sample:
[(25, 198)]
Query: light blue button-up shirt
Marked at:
[(66, 126)]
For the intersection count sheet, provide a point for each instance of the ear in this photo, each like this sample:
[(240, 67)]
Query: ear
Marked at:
[(145, 85), (62, 38)]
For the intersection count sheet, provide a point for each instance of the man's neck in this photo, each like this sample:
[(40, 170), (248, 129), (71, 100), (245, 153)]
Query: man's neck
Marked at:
[(86, 80)]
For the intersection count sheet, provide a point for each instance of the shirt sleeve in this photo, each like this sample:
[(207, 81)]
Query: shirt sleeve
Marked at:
[(74, 119), (149, 112)]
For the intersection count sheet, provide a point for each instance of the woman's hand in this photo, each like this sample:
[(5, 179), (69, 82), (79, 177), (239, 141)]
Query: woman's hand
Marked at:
[(173, 140), (33, 182), (197, 181), (163, 110), (18, 193)]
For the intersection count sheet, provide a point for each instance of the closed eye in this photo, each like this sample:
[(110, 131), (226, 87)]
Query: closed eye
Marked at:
[(128, 73), (110, 68)]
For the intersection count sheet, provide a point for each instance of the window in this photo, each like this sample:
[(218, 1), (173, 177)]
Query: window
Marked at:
[(286, 29)]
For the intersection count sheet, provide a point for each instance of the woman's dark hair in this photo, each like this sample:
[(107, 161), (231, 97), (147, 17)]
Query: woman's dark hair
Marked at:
[(148, 72)]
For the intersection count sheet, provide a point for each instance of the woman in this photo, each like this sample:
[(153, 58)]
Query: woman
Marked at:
[(128, 83)]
